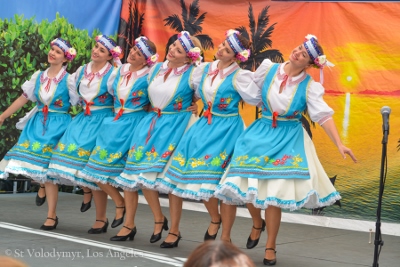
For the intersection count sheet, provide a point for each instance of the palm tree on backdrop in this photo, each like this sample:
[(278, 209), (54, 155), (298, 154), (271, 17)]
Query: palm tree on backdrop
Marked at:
[(260, 34), (191, 22), (129, 31)]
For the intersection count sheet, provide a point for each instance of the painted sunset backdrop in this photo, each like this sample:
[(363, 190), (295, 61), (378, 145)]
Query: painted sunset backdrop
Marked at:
[(361, 39)]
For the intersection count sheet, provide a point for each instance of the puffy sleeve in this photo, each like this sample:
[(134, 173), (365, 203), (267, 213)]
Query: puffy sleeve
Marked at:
[(250, 94), (318, 109), (75, 76), (152, 68), (196, 78), (72, 90), (111, 80), (258, 79), (28, 87)]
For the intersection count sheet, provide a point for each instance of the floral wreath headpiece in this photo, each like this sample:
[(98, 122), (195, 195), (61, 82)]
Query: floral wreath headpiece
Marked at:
[(111, 46), (241, 53), (319, 59), (193, 52), (145, 49), (69, 51)]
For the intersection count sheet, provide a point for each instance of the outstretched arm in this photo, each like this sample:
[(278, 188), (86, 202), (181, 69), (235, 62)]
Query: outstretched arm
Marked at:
[(331, 130), (16, 105)]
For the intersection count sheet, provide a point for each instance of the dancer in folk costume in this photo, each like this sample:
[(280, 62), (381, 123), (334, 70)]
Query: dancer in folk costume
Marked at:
[(205, 150), (108, 158), (275, 164), (54, 92), (171, 93), (93, 83)]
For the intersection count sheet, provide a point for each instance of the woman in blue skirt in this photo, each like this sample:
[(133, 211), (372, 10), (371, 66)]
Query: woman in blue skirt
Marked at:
[(171, 94), (206, 149), (93, 82), (108, 158), (274, 164), (54, 92)]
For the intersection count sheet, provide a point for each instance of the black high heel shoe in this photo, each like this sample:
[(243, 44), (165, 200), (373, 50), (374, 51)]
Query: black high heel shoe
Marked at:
[(171, 244), (252, 243), (40, 200), (86, 206), (155, 237), (50, 227), (117, 222), (270, 262), (207, 236), (131, 235), (99, 230)]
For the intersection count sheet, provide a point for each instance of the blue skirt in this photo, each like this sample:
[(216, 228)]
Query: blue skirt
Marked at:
[(74, 148), (113, 142), (152, 145), (201, 158), (32, 153), (276, 166)]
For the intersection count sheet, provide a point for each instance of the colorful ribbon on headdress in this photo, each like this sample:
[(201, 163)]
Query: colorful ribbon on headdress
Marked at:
[(148, 53), (241, 53), (69, 51), (319, 59)]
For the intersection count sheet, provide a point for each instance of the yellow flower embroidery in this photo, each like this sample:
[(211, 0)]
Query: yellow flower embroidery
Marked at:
[(25, 144)]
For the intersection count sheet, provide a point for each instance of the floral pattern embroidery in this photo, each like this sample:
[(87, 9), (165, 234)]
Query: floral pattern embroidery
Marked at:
[(103, 154), (178, 103), (244, 160), (293, 116), (103, 97), (221, 160), (47, 148), (71, 147), (25, 144), (36, 146), (168, 153), (137, 153), (152, 153), (114, 156), (59, 103), (83, 153), (181, 160), (137, 95), (224, 102)]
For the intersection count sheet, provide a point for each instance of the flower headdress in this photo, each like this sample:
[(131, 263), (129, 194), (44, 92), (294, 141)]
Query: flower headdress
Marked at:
[(69, 51), (241, 53), (150, 56), (111, 46), (319, 59), (193, 52)]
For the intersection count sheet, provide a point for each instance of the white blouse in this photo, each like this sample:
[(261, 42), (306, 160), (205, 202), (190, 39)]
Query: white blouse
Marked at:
[(29, 88), (90, 91), (241, 83), (318, 110), (160, 91), (124, 88)]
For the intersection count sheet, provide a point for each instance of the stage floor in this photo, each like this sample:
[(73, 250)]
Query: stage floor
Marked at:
[(298, 244)]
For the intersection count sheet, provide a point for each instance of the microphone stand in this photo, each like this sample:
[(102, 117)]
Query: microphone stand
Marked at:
[(378, 237)]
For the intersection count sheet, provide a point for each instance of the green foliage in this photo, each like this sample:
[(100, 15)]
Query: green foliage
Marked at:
[(24, 45)]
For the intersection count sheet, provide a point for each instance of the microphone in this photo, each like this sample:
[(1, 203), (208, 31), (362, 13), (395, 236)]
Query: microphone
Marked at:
[(385, 111)]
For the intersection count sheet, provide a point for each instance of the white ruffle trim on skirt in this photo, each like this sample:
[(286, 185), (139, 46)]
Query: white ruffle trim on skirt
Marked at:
[(291, 194)]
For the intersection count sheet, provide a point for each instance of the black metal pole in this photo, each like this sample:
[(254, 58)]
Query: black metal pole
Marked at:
[(378, 237)]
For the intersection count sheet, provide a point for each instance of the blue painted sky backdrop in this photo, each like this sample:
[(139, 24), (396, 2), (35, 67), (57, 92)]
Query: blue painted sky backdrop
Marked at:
[(83, 14)]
